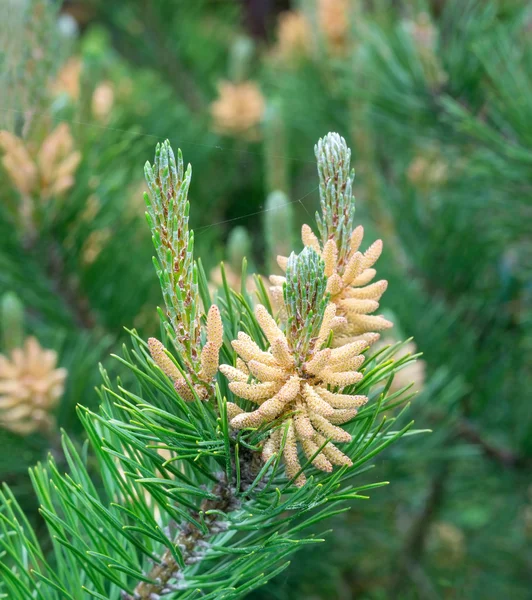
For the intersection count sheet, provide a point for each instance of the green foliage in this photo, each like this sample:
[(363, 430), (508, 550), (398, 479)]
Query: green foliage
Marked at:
[(336, 191), (278, 227), (305, 298), (206, 517), (167, 216), (433, 110)]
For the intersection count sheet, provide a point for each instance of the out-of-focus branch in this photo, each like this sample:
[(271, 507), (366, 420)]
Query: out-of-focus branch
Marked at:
[(68, 290), (504, 456), (417, 534)]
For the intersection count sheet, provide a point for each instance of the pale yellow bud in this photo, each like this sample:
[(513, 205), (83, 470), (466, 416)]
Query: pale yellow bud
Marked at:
[(332, 453), (277, 280), (338, 323), (18, 163), (282, 261), (271, 409), (162, 360), (242, 421), (239, 109), (233, 410), (319, 461), (268, 324), (363, 323), (266, 373), (294, 35), (372, 254), (359, 307), (272, 445), (30, 387), (353, 268), (254, 392), (234, 374), (326, 324), (291, 459), (302, 424), (289, 391), (209, 361), (215, 331), (338, 355), (282, 354), (277, 299), (351, 363), (241, 365), (342, 400), (330, 257), (335, 284), (249, 350), (318, 362), (184, 391), (369, 337), (374, 291), (342, 416), (341, 380), (336, 434), (364, 278), (315, 402), (310, 239), (356, 238)]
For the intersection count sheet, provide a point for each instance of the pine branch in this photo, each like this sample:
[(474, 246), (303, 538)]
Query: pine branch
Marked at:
[(67, 288), (417, 534), (191, 541), (176, 73), (168, 210), (193, 497), (504, 456)]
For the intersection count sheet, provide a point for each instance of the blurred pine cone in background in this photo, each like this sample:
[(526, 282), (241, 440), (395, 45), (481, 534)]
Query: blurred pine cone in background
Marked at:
[(239, 109), (30, 387)]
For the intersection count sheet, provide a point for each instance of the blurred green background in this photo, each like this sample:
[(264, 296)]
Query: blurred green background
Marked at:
[(435, 100)]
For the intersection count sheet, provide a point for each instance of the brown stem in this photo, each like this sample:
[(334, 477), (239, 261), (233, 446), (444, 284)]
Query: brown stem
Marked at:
[(504, 456), (190, 539), (416, 537), (68, 289), (189, 542)]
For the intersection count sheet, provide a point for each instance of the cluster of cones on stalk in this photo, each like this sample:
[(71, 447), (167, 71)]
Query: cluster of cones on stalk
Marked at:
[(301, 384), (303, 393)]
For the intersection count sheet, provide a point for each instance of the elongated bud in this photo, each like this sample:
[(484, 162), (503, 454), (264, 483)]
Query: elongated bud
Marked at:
[(162, 360), (240, 57), (11, 321), (238, 247), (276, 165), (278, 226), (336, 192), (215, 330)]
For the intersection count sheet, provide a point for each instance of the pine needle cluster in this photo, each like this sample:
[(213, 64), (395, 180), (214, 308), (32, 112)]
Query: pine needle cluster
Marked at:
[(191, 497)]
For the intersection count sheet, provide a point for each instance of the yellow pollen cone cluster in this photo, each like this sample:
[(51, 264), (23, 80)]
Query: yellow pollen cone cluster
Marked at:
[(208, 359), (30, 387), (305, 393), (239, 109), (49, 170), (349, 283), (333, 20), (294, 35)]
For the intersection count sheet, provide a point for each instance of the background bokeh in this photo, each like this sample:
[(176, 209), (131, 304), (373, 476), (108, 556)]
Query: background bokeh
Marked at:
[(433, 97)]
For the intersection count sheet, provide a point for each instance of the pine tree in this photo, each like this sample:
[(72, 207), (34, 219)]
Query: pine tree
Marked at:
[(191, 497), (429, 96)]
